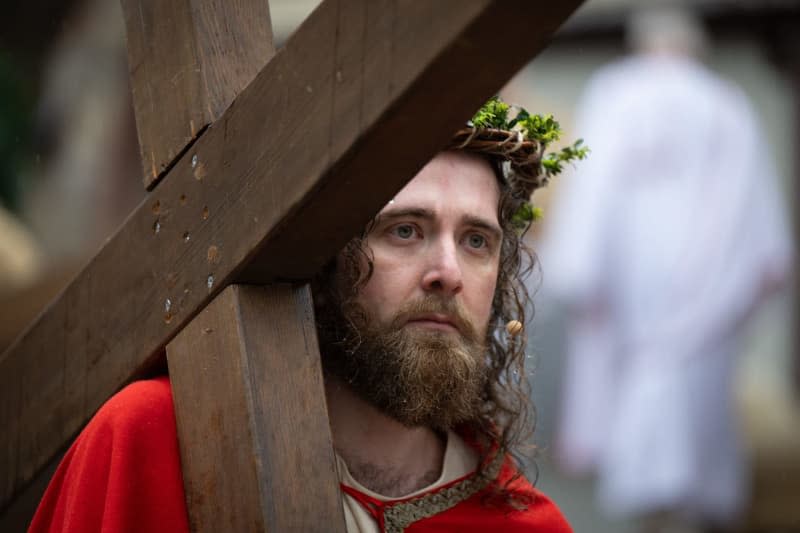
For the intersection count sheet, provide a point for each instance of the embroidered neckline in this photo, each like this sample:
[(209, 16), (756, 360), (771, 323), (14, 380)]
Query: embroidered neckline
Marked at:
[(402, 514), (395, 515)]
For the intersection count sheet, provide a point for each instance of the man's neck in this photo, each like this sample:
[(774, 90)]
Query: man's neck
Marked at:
[(381, 453)]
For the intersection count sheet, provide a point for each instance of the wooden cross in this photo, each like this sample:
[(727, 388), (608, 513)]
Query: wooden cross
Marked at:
[(260, 166)]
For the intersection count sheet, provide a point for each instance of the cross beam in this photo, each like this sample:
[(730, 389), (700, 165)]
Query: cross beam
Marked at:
[(188, 61), (337, 122)]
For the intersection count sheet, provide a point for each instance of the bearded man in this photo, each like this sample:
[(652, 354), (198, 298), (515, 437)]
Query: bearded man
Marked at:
[(424, 378)]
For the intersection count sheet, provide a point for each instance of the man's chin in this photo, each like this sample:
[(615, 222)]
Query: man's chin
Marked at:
[(442, 339)]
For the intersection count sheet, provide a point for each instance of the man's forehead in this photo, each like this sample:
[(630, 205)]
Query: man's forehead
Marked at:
[(451, 182)]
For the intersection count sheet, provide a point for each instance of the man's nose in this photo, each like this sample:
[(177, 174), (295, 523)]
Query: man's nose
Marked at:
[(443, 271)]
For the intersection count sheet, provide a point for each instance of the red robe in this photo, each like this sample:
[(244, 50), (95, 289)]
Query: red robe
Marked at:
[(123, 474)]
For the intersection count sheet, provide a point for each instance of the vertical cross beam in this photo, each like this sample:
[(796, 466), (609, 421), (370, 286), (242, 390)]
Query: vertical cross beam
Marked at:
[(253, 427), (252, 422), (188, 60)]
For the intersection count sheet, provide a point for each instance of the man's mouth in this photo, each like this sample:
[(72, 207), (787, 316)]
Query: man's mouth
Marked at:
[(434, 321)]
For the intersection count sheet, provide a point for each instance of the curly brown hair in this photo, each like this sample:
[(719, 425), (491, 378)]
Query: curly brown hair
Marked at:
[(507, 417)]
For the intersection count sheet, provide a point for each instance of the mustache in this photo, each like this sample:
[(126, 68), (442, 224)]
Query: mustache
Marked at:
[(432, 304)]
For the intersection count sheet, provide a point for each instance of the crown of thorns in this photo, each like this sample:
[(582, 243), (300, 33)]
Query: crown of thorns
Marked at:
[(519, 143)]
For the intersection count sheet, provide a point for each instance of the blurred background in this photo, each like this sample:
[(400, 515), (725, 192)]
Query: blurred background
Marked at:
[(70, 175)]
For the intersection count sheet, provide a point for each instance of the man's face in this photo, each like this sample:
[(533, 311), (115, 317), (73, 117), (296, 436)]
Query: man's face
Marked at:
[(415, 346), (438, 238)]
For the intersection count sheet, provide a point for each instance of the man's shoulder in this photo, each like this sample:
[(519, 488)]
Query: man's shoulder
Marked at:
[(143, 409), (122, 473), (144, 397), (532, 510), (541, 512), (537, 508)]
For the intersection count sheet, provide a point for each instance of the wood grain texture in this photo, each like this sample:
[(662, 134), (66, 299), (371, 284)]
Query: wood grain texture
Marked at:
[(434, 65), (253, 427), (335, 124), (188, 60)]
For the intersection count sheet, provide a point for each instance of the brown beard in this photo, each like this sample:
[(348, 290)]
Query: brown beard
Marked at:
[(418, 377)]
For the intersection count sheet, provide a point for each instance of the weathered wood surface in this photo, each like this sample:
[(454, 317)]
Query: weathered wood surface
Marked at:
[(359, 98), (188, 60), (246, 467)]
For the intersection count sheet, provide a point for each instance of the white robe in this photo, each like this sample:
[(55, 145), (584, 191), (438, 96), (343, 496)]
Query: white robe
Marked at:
[(662, 245)]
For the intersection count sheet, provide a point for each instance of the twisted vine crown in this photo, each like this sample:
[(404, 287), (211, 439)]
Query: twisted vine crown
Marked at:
[(518, 141)]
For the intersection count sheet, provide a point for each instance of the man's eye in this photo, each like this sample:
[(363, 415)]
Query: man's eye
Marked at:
[(476, 240), (404, 231)]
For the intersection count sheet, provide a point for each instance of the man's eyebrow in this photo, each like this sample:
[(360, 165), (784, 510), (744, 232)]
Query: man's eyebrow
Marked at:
[(484, 224), (400, 212)]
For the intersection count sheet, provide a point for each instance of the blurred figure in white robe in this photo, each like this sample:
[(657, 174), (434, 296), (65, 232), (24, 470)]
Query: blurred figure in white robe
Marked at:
[(661, 246)]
